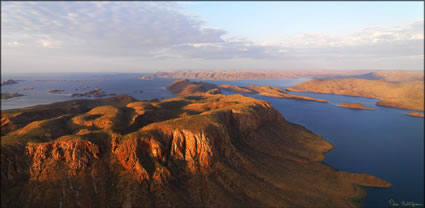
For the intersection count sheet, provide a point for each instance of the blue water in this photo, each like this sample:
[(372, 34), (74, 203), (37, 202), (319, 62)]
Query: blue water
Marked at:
[(110, 83), (385, 142)]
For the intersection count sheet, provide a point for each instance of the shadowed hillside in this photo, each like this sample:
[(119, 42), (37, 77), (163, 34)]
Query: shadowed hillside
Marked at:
[(203, 150)]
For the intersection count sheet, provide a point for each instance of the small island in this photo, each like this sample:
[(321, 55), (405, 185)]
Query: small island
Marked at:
[(84, 87), (28, 88), (416, 114), (70, 80), (138, 91), (357, 106), (6, 95), (8, 82), (55, 91), (96, 92), (145, 77)]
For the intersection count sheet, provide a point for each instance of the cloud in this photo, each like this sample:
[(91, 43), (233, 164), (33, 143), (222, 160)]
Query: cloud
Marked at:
[(13, 43), (106, 28), (163, 35)]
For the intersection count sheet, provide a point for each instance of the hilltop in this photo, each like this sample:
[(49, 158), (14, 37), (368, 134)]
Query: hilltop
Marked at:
[(205, 149)]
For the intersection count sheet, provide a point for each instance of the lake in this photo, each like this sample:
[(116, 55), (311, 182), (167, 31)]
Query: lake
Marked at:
[(385, 142)]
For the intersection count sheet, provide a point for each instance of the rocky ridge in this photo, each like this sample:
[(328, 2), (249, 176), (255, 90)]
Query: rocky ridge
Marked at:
[(205, 149)]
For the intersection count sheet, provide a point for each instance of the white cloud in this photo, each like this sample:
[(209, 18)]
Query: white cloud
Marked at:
[(163, 35), (13, 43)]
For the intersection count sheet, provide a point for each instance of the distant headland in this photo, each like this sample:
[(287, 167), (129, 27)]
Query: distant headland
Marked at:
[(186, 87)]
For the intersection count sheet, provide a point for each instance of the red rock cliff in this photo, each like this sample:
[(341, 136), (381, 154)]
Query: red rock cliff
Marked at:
[(240, 152)]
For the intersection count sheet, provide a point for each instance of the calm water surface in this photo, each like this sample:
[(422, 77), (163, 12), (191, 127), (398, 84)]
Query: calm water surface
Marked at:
[(385, 142)]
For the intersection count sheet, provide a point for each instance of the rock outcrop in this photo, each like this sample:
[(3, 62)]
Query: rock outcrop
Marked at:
[(203, 150)]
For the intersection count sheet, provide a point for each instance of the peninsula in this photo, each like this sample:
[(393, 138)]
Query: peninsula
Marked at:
[(205, 149), (185, 87), (416, 114), (358, 106), (404, 95)]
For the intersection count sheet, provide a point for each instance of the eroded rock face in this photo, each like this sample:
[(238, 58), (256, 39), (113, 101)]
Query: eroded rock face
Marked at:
[(74, 153), (210, 151)]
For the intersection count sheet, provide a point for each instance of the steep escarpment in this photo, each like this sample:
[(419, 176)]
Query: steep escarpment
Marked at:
[(405, 95), (207, 150), (186, 87)]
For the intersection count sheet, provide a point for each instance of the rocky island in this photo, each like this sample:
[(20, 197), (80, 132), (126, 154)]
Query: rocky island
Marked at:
[(83, 87), (6, 95), (96, 92), (416, 114), (55, 91), (358, 106), (8, 82), (202, 150), (184, 87), (27, 88), (146, 77)]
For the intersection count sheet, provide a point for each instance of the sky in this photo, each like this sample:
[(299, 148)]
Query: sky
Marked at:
[(157, 36)]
